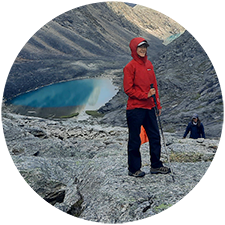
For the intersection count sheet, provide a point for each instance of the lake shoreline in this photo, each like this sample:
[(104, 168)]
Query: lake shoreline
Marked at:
[(39, 74), (112, 75)]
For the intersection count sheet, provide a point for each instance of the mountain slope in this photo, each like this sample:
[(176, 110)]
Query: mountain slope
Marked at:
[(100, 30), (151, 21), (187, 84), (87, 32)]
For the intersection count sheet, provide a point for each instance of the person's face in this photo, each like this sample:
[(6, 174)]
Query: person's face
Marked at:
[(141, 51), (195, 120)]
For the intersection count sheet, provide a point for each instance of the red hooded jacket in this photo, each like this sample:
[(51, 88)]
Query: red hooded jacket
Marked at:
[(138, 76)]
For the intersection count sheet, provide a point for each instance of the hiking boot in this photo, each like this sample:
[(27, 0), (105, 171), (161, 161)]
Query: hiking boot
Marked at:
[(138, 173), (162, 170)]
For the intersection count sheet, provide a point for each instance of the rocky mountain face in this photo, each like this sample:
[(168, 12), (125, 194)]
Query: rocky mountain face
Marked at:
[(150, 20), (98, 31), (96, 34), (92, 31), (187, 84)]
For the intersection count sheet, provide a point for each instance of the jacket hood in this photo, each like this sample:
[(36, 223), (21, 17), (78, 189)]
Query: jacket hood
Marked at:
[(133, 47)]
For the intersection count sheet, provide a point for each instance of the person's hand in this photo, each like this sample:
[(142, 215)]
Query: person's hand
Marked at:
[(160, 111), (151, 92)]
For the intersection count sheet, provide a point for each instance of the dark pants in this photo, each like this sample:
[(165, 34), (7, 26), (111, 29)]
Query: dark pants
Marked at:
[(147, 118)]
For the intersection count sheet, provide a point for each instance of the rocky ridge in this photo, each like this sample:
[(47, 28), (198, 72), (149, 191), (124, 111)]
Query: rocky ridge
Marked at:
[(81, 167), (187, 84)]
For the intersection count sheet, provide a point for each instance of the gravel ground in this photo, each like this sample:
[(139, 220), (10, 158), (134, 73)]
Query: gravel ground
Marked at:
[(80, 167)]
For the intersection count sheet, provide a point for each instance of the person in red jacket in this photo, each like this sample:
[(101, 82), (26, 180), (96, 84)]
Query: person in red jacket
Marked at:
[(138, 77)]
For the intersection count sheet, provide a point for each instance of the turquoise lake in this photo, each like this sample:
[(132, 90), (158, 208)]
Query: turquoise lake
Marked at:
[(65, 98)]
